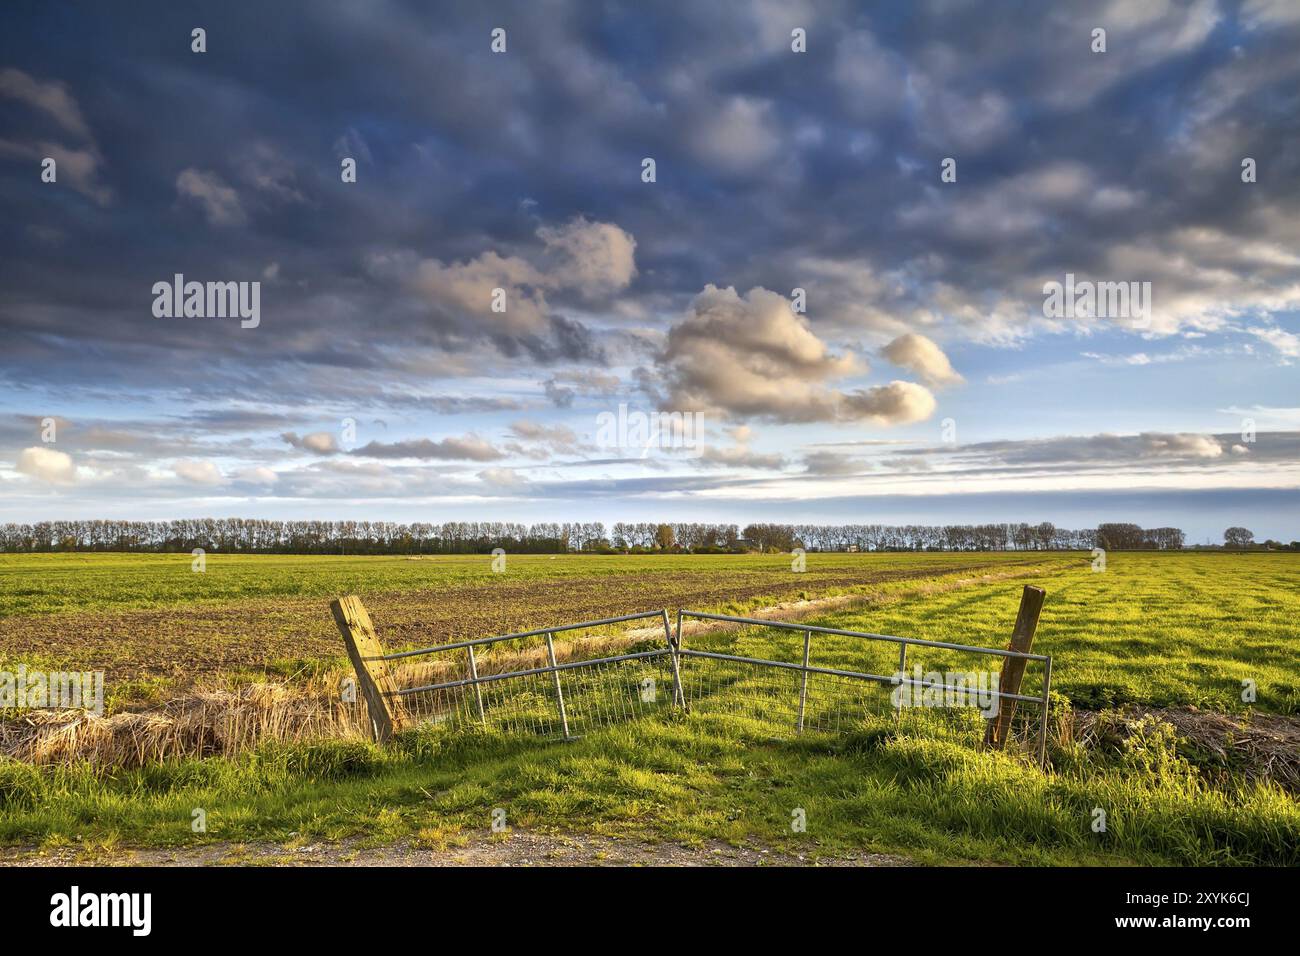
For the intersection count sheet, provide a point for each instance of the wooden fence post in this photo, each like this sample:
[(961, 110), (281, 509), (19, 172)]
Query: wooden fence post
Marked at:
[(1013, 668), (387, 713)]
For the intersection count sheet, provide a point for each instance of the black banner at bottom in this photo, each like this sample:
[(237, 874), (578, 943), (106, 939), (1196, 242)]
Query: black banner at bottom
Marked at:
[(333, 905)]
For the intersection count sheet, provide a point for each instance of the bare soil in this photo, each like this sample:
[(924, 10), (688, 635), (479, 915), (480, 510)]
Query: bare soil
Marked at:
[(188, 646)]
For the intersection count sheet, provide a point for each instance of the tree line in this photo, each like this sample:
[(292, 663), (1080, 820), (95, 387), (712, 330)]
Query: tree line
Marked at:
[(260, 536)]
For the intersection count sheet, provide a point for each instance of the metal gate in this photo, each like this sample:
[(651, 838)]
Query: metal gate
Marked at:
[(790, 693), (769, 672)]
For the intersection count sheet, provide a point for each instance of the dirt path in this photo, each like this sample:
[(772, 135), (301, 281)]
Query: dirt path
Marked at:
[(517, 848)]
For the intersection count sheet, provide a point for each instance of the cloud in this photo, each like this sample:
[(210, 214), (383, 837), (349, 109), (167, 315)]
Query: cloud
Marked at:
[(502, 478), (198, 472), (750, 356), (267, 170), (872, 80), (318, 443), (464, 448), (832, 464), (737, 135), (753, 356), (1145, 446), (1264, 13), (958, 120), (596, 258), (468, 288), (1286, 343), (898, 403), (524, 176), (563, 387), (46, 464), (51, 98), (219, 201), (556, 439), (923, 358), (257, 476), (78, 166), (739, 456), (352, 145), (589, 259)]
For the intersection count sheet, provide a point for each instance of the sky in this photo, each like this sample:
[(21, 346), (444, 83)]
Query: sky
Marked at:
[(779, 261)]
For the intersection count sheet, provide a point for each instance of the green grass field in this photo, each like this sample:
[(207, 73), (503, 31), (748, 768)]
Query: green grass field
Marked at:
[(1157, 630)]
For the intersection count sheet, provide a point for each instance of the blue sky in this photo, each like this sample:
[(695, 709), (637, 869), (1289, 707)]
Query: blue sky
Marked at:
[(919, 379)]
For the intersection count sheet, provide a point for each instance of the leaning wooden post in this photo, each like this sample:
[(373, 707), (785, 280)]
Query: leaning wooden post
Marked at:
[(1013, 668), (387, 712)]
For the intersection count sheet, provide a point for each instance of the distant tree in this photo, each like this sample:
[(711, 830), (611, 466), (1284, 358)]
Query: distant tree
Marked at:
[(664, 538), (262, 536), (1238, 538), (1120, 537), (1044, 534), (772, 537)]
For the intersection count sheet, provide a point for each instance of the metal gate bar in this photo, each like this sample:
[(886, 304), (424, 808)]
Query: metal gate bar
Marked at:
[(837, 672), (549, 669), (478, 641)]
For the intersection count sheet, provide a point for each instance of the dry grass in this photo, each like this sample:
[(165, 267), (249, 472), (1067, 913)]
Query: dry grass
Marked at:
[(1260, 746), (210, 723), (223, 722)]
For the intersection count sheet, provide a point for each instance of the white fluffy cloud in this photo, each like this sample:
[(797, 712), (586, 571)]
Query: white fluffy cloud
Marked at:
[(922, 357), (318, 443), (46, 464), (898, 403), (198, 472), (753, 356)]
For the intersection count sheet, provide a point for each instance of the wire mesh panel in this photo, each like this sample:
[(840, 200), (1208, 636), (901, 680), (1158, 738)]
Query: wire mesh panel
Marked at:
[(558, 683), (593, 694)]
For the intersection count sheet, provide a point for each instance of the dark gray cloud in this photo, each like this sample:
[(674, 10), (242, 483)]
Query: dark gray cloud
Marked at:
[(817, 170)]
